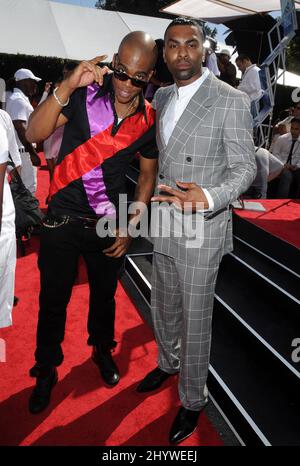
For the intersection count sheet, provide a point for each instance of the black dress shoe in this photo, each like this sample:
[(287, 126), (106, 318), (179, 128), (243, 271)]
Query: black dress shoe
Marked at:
[(153, 380), (40, 397), (102, 357), (185, 423)]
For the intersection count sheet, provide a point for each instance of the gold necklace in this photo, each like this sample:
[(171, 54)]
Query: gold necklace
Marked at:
[(128, 109)]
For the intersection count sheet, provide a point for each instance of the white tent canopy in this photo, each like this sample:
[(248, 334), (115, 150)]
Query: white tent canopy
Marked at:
[(41, 27), (219, 11)]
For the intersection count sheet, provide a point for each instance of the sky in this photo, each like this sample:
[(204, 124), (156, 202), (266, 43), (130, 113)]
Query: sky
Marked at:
[(86, 3)]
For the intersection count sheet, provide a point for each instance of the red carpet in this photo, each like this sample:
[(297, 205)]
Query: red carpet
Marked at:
[(281, 218), (84, 411)]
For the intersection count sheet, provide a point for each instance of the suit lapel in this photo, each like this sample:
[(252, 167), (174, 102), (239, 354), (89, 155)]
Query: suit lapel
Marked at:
[(195, 112), (161, 116)]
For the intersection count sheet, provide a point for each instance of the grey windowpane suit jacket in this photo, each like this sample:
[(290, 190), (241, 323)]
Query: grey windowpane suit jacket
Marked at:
[(211, 145)]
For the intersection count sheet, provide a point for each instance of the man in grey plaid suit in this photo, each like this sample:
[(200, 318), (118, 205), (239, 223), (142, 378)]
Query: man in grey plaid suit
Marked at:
[(207, 159)]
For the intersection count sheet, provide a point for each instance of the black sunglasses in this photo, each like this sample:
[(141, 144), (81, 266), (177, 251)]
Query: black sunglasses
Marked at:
[(122, 76)]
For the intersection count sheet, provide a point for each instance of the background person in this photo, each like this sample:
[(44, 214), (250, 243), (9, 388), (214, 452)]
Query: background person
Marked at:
[(19, 108), (8, 145)]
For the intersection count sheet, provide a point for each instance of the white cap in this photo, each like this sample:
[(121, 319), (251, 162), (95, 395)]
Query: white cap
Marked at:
[(23, 73), (225, 52)]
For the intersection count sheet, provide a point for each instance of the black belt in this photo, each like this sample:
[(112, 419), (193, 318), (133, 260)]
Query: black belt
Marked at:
[(53, 221)]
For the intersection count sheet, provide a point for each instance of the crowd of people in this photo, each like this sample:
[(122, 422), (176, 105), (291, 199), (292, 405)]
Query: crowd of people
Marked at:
[(278, 164), (93, 122)]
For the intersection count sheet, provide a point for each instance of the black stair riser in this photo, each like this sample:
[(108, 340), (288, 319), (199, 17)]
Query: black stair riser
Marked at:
[(266, 389), (278, 249)]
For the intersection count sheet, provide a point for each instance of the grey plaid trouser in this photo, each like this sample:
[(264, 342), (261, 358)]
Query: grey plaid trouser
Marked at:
[(182, 299)]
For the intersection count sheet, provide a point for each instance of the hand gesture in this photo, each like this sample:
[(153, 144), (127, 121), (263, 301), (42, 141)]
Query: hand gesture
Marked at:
[(47, 87), (87, 72), (190, 193)]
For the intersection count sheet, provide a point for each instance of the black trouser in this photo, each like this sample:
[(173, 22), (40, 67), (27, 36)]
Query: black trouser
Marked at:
[(288, 185), (60, 249)]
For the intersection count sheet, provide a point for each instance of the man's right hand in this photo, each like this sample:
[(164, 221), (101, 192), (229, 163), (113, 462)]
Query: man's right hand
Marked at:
[(86, 73)]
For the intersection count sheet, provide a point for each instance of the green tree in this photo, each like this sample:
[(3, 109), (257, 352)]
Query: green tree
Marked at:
[(142, 7)]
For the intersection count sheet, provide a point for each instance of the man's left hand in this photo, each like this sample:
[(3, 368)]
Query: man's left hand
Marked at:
[(47, 87), (120, 246), (190, 192)]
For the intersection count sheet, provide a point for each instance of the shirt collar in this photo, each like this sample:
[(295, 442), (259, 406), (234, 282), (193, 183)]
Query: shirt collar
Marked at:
[(250, 68), (21, 94), (291, 138), (107, 88), (190, 89)]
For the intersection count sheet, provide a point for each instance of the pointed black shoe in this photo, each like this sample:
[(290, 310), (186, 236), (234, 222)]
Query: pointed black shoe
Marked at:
[(40, 397), (103, 359), (153, 380), (185, 423)]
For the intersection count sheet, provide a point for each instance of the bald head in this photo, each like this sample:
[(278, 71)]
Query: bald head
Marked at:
[(133, 64), (139, 44)]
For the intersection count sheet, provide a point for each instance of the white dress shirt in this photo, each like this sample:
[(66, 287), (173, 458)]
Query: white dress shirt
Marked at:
[(179, 101), (250, 83), (212, 64), (18, 106), (282, 148), (8, 145)]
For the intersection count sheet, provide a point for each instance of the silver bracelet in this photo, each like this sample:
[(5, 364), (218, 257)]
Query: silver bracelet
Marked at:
[(58, 100)]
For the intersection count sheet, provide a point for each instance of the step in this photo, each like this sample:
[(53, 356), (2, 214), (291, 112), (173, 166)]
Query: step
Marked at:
[(268, 269), (277, 249), (257, 394), (254, 331), (234, 347), (270, 315)]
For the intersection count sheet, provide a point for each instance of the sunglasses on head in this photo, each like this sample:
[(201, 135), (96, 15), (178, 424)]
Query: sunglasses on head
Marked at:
[(122, 76)]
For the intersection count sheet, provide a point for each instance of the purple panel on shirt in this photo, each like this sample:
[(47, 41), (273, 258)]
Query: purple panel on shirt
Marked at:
[(100, 116), (99, 110), (96, 192)]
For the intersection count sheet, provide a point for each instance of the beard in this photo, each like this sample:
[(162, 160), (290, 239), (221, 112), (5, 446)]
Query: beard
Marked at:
[(185, 75)]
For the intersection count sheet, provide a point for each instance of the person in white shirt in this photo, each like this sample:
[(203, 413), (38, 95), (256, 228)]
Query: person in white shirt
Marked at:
[(269, 167), (279, 129), (212, 63), (294, 113), (287, 149), (250, 83), (8, 145), (19, 108)]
